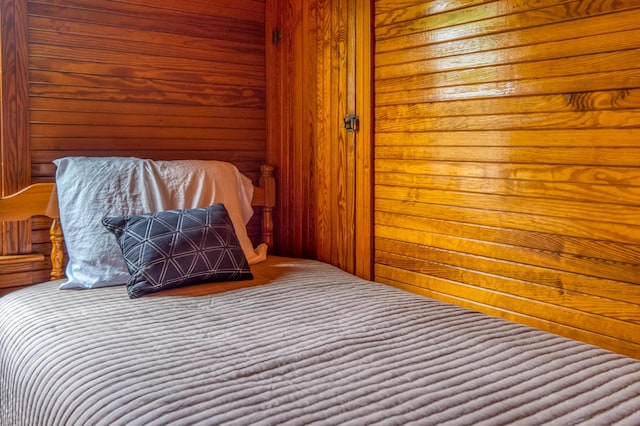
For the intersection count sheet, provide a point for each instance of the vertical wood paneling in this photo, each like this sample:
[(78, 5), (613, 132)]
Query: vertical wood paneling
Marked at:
[(340, 166), (15, 173), (309, 127), (276, 111), (316, 158), (324, 172), (287, 147), (364, 140), (507, 159)]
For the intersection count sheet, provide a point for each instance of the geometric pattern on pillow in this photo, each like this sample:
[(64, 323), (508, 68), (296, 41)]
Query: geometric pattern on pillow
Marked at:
[(175, 248)]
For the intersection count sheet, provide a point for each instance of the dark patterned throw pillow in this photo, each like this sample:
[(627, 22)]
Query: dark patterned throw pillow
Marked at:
[(175, 248)]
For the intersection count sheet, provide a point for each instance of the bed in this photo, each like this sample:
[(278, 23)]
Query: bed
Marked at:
[(302, 342)]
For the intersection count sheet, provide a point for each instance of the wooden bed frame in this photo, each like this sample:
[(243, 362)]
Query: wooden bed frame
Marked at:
[(41, 199)]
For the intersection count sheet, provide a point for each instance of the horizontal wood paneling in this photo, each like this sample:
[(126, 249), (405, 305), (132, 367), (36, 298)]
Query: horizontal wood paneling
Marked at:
[(161, 79), (416, 283), (507, 160)]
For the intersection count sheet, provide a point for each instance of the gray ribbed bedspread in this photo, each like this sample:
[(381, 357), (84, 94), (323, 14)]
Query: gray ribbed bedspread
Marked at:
[(313, 345)]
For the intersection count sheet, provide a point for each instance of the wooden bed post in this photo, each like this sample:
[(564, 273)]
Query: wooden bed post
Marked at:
[(267, 182), (40, 199), (57, 254)]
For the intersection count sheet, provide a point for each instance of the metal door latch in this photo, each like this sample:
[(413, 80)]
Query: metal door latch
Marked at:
[(351, 122)]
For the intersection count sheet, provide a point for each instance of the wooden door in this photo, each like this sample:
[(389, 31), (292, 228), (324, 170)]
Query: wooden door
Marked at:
[(318, 66), (363, 257)]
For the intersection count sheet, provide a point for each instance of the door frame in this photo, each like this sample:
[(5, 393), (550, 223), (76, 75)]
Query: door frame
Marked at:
[(364, 206)]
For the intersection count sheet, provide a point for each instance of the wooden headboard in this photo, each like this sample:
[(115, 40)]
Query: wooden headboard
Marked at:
[(41, 199)]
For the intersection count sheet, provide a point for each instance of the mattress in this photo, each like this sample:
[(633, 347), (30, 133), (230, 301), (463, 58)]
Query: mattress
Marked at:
[(305, 344)]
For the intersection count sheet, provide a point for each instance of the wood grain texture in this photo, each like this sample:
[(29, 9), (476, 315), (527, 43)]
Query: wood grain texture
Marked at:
[(14, 147), (364, 141), (507, 160), (415, 282), (324, 173), (285, 145), (160, 79), (138, 78)]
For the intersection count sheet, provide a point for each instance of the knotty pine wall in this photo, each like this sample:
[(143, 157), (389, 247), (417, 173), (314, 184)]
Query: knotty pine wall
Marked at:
[(507, 160), (161, 79)]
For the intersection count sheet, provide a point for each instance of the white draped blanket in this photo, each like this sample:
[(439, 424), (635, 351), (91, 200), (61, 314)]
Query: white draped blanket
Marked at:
[(312, 345)]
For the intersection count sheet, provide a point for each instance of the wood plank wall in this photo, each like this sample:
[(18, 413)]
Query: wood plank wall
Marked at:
[(291, 138), (168, 79), (313, 155), (161, 79), (507, 160)]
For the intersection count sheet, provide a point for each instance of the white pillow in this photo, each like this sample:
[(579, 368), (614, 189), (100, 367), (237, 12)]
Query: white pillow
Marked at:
[(90, 188)]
